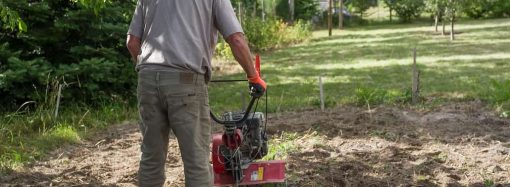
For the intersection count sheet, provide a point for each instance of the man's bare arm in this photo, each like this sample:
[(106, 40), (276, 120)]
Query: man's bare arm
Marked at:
[(133, 44), (242, 53)]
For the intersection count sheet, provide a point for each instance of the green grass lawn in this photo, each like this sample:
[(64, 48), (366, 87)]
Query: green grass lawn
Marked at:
[(369, 61)]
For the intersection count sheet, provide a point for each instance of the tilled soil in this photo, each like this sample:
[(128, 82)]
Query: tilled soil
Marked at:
[(458, 144)]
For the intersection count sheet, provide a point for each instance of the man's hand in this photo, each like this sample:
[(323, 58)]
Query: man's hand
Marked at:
[(257, 86)]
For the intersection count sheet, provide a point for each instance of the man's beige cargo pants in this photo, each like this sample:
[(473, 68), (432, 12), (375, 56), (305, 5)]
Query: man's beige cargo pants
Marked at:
[(176, 101)]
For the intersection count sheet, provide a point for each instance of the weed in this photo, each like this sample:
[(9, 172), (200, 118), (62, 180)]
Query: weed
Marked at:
[(499, 92), (489, 183), (422, 178), (441, 157), (384, 135), (499, 96), (374, 96), (281, 146)]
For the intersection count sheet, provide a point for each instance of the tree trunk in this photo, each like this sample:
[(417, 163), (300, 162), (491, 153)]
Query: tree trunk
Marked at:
[(391, 15), (254, 13), (443, 21), (330, 17), (263, 12), (452, 32), (341, 15), (291, 11), (436, 20)]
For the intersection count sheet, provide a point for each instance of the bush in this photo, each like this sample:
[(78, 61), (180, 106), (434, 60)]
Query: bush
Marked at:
[(223, 51), (274, 33), (408, 9), (486, 8), (500, 8), (267, 35), (303, 9), (476, 8), (69, 43), (361, 6)]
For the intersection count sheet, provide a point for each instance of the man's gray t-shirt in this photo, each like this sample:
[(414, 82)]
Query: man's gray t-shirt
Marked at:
[(181, 34)]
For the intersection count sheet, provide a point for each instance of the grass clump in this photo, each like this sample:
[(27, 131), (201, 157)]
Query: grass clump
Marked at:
[(281, 146), (489, 183), (373, 96), (499, 95), (28, 134)]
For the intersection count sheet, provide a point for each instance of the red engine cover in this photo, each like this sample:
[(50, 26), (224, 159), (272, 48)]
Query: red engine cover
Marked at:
[(218, 161), (234, 141)]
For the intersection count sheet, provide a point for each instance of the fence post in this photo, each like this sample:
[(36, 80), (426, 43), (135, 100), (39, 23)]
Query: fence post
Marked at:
[(58, 100), (321, 93), (416, 80)]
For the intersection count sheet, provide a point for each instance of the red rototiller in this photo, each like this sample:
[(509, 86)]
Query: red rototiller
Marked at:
[(244, 140)]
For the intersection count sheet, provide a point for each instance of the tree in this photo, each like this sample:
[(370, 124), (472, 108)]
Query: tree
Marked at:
[(477, 8), (500, 8), (361, 6), (391, 5), (408, 9), (437, 8), (306, 9), (303, 9), (341, 14), (451, 10)]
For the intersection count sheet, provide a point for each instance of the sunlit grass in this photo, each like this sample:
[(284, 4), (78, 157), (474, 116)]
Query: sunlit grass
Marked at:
[(380, 57)]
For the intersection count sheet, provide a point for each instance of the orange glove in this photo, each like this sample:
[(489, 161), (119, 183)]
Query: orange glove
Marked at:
[(257, 86)]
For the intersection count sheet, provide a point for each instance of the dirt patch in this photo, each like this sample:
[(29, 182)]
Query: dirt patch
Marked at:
[(460, 144)]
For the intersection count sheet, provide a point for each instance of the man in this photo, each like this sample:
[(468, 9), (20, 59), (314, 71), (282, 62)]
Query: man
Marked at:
[(173, 42)]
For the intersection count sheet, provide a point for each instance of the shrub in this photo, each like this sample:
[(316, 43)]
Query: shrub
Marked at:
[(361, 6), (408, 9), (486, 8), (500, 8), (303, 9), (267, 35), (476, 8), (66, 43), (274, 33), (223, 51)]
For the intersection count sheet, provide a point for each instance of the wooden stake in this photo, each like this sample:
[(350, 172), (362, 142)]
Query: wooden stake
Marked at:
[(321, 93), (416, 80), (58, 100)]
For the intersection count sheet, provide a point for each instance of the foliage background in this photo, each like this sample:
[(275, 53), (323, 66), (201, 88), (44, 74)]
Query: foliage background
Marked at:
[(70, 43)]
